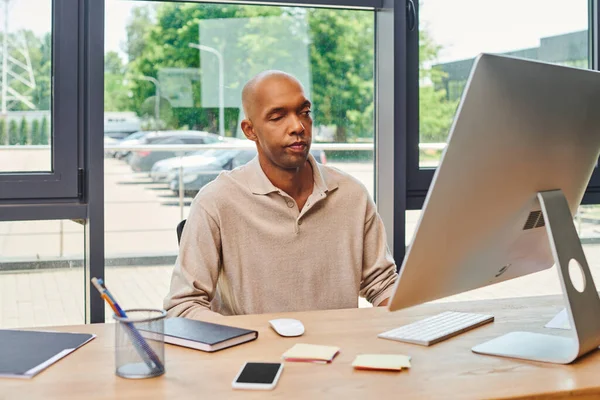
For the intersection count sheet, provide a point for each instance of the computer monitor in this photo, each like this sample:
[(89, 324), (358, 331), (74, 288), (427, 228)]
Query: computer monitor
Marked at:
[(522, 128)]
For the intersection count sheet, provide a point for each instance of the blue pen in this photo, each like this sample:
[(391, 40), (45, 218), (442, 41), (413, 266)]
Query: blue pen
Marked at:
[(138, 340)]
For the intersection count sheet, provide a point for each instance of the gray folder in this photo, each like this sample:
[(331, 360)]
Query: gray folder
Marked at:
[(25, 353)]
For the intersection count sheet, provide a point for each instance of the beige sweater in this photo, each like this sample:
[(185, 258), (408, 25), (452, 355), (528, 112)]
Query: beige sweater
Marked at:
[(246, 248)]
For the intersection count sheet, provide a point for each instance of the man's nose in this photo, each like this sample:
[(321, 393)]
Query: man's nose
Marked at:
[(296, 127)]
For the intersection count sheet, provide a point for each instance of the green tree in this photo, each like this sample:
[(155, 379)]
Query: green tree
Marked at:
[(115, 91), (435, 110), (341, 57), (138, 28), (36, 137), (342, 63), (44, 134), (35, 95), (167, 46), (3, 138), (13, 132), (23, 132), (41, 59), (113, 63)]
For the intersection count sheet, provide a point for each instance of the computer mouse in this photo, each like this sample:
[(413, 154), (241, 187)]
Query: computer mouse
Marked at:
[(287, 327)]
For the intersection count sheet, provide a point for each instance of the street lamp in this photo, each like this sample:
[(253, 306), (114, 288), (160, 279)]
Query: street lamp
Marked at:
[(156, 97), (221, 83)]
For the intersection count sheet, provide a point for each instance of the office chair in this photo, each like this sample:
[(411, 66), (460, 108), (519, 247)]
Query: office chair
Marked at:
[(180, 230)]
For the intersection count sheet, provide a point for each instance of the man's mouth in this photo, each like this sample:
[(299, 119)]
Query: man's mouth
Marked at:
[(297, 146)]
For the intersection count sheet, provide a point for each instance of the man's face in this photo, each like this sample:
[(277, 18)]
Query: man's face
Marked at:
[(281, 122)]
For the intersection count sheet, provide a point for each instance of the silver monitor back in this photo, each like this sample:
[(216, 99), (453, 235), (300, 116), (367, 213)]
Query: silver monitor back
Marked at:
[(521, 127)]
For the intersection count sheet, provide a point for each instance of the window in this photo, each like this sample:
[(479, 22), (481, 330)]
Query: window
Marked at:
[(38, 96), (176, 68), (25, 94), (451, 34), (41, 273)]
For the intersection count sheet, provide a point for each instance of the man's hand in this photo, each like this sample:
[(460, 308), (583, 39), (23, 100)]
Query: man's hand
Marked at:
[(384, 302)]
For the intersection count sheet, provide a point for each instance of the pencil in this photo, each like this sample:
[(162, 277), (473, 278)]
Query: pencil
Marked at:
[(146, 352)]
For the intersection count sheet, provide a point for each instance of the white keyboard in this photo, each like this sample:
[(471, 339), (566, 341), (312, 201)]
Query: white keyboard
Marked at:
[(434, 329)]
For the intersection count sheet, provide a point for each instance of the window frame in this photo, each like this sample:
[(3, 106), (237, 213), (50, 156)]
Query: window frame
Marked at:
[(390, 128), (359, 4), (400, 185), (62, 182), (419, 179)]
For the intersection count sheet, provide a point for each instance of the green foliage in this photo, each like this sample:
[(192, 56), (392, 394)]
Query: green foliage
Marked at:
[(166, 45), (137, 29), (435, 110), (436, 114), (36, 137), (341, 58), (113, 63), (23, 132), (342, 62), (40, 54), (3, 136), (44, 132), (341, 65), (13, 133), (115, 91)]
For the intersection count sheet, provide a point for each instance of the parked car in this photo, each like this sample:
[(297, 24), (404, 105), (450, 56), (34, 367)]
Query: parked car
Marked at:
[(143, 160), (133, 139), (165, 170), (209, 166)]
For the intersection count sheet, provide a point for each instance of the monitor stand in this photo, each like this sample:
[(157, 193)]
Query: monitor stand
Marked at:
[(583, 308)]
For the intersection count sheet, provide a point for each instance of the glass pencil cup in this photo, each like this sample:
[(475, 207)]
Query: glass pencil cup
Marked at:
[(140, 344)]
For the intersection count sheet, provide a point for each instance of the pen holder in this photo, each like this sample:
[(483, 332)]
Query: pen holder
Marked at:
[(139, 343)]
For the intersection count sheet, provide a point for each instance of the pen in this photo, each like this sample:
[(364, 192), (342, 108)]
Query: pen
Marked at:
[(137, 339)]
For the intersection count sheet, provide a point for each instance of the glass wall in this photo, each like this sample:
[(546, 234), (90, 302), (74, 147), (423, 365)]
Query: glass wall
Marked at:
[(25, 85), (453, 33), (41, 273), (173, 76)]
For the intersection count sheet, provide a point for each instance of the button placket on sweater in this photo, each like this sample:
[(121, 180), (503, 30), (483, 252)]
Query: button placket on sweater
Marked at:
[(291, 204), (310, 203), (298, 215)]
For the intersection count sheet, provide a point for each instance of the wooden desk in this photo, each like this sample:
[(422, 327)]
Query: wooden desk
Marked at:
[(445, 370)]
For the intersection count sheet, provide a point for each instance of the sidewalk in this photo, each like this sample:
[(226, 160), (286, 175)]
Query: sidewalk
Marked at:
[(140, 219), (45, 298)]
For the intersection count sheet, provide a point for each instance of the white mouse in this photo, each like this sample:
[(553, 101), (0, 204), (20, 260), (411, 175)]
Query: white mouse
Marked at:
[(287, 327)]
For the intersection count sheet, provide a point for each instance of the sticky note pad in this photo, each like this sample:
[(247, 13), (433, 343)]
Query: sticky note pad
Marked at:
[(389, 362), (311, 353)]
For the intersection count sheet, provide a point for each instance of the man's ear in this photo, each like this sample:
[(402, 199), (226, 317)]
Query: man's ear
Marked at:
[(248, 130)]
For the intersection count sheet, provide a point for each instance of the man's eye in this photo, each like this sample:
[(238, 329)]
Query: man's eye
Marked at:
[(306, 112), (276, 118)]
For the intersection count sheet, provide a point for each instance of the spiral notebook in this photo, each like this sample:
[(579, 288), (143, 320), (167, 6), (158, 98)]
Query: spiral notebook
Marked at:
[(24, 354)]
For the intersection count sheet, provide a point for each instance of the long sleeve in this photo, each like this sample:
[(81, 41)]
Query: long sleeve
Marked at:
[(379, 269), (196, 271)]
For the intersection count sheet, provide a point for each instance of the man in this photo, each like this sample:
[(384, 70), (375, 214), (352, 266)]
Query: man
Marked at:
[(281, 233)]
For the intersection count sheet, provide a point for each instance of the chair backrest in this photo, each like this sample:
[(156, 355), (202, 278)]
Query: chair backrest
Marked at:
[(180, 230)]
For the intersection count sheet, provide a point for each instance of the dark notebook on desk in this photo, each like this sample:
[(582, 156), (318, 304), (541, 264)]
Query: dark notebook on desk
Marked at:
[(205, 336), (23, 354)]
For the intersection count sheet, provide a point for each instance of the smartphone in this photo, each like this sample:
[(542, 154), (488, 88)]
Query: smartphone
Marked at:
[(259, 376)]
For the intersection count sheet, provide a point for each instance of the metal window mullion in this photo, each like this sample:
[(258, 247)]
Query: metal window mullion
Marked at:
[(391, 122), (595, 33), (358, 4), (91, 116), (384, 117)]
